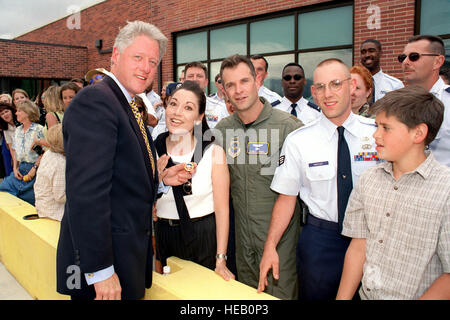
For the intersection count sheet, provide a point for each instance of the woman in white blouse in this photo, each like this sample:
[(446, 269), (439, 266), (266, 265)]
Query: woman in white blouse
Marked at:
[(50, 187), (206, 197)]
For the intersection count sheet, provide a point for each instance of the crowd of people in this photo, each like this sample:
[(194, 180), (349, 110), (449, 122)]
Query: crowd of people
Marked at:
[(343, 197)]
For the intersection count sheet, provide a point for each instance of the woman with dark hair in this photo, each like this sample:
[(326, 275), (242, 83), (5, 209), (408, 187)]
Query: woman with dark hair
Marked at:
[(25, 160), (67, 92), (192, 219), (8, 123)]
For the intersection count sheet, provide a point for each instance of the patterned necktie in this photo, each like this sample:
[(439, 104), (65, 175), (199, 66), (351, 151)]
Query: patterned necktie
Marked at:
[(344, 176), (141, 124), (293, 111)]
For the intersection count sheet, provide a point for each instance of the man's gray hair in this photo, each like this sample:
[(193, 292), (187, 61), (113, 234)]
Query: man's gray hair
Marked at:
[(128, 34)]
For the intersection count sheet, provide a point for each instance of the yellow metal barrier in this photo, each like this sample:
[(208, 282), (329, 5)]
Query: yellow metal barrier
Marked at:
[(28, 251)]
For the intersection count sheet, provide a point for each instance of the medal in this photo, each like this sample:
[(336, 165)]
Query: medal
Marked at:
[(189, 166)]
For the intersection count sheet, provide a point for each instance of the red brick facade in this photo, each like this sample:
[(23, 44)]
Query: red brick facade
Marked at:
[(103, 20)]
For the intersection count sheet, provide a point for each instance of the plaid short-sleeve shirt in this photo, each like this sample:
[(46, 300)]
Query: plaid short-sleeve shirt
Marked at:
[(406, 224)]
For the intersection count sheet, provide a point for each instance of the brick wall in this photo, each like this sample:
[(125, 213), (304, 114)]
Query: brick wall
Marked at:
[(103, 20), (396, 27), (32, 60)]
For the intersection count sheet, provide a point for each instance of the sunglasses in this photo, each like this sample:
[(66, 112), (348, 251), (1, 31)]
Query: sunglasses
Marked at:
[(288, 77), (97, 77), (414, 56)]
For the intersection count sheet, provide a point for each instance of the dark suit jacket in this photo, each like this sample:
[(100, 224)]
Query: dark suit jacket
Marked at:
[(110, 191)]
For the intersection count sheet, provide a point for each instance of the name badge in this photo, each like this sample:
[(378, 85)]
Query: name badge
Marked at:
[(318, 164), (258, 148), (366, 156)]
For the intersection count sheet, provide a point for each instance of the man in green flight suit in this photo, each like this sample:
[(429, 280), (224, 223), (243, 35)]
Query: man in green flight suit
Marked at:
[(252, 138)]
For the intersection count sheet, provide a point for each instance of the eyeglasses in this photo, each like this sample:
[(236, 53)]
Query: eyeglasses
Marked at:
[(297, 77), (97, 77), (333, 85), (414, 56)]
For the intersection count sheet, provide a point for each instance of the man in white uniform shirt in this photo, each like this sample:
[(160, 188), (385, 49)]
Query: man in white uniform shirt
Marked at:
[(261, 66), (421, 60), (215, 110), (370, 58), (293, 81), (320, 162)]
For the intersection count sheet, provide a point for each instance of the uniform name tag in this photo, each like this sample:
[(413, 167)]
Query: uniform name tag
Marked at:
[(258, 148), (366, 156), (318, 164)]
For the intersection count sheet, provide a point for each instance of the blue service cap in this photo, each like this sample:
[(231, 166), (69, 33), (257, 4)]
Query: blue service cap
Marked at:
[(171, 88)]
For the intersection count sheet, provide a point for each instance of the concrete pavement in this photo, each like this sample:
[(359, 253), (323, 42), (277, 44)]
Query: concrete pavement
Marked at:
[(10, 289)]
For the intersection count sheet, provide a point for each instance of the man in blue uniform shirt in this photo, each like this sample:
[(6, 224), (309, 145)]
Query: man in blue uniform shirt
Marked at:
[(320, 162)]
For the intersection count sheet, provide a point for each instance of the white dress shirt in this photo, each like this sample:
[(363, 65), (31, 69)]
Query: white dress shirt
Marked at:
[(441, 144), (308, 162), (385, 83), (269, 95), (306, 113), (215, 111)]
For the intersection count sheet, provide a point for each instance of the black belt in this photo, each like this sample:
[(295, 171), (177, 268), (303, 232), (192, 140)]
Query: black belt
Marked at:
[(322, 223), (176, 222)]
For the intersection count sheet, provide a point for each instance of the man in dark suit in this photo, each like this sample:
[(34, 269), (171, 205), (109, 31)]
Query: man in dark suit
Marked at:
[(105, 249)]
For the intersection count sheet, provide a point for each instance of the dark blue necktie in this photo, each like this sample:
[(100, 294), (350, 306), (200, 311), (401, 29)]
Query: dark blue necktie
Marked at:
[(293, 111), (344, 176)]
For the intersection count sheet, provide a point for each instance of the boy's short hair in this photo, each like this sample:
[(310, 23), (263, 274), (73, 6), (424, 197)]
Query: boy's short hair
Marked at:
[(412, 106)]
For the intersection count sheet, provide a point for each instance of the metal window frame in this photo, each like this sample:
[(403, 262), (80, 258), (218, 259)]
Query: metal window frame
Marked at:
[(247, 21)]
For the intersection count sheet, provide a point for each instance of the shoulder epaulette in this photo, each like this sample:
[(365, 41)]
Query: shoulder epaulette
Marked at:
[(314, 106), (275, 103), (368, 121)]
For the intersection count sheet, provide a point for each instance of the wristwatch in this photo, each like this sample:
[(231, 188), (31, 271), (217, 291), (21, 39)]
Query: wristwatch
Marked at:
[(221, 256), (35, 166)]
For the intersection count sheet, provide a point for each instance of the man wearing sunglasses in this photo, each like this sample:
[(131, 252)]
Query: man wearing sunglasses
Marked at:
[(320, 162), (370, 58), (293, 81), (421, 61)]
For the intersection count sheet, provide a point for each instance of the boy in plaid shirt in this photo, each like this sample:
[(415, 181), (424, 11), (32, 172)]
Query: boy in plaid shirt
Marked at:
[(399, 212)]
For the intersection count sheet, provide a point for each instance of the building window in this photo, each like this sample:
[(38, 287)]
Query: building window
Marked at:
[(303, 35), (434, 19)]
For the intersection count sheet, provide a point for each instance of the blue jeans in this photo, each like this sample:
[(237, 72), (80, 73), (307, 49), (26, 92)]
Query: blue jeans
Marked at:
[(6, 159), (19, 188)]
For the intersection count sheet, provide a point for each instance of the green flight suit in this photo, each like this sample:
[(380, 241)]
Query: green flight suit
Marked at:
[(253, 153)]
